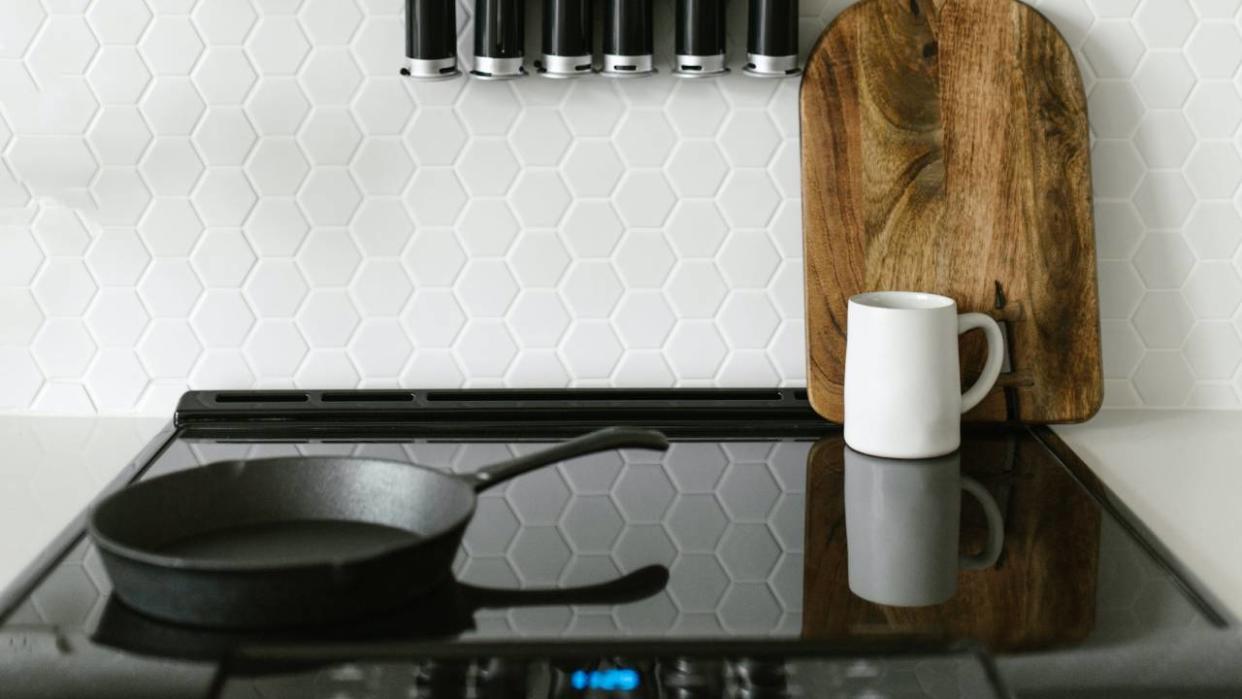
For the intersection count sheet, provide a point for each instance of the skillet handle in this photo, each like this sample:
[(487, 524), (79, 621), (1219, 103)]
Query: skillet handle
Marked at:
[(600, 440)]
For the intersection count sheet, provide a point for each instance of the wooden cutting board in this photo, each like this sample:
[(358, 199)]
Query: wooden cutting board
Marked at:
[(945, 149)]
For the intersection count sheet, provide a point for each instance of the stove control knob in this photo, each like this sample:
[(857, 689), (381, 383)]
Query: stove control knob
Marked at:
[(690, 678), (760, 679)]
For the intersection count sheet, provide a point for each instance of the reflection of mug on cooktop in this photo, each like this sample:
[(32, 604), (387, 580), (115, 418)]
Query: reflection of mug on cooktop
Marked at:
[(902, 519)]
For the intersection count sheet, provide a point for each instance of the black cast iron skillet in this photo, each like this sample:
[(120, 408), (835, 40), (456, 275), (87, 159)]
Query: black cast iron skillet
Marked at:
[(296, 541)]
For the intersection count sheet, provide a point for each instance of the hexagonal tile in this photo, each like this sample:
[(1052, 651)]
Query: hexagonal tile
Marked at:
[(64, 47), (749, 552), (1214, 231), (435, 196), (748, 260), (644, 319), (538, 318), (643, 493), (486, 288), (1215, 110), (747, 368), (748, 492), (1163, 319), (492, 528), (330, 21), (1115, 109), (592, 475), (643, 260), (170, 288), (220, 369), (22, 316), (1214, 290), (223, 258), (222, 318), (120, 196), (696, 289), (117, 318), (224, 21), (24, 17), (54, 163), (434, 257), (695, 349), (224, 136), (1163, 199), (277, 167), (1213, 350), (487, 167), (277, 45), (328, 318), (643, 545), (275, 348), (277, 107), (1117, 230), (118, 75), (591, 524), (434, 318), (330, 136), (380, 348), (592, 229), (224, 75), (485, 349), (170, 227), (538, 259), (1121, 347), (20, 378), (329, 258), (117, 257), (487, 108), (436, 136), (592, 168), (591, 289), (171, 166), (1164, 80), (116, 379), (590, 350), (697, 108), (697, 168), (748, 199), (1215, 50), (383, 106), (1165, 25), (170, 45), (1163, 260), (539, 555), (382, 166), (64, 287), (1164, 139), (487, 227), (276, 227), (540, 136), (592, 108), (118, 136), (276, 287), (381, 287), (169, 348), (1216, 8), (644, 199), (63, 348), (379, 39), (21, 258), (1163, 379), (749, 138), (747, 320), (330, 76), (172, 106), (645, 137), (1119, 289), (697, 582), (1113, 49), (540, 198), (1214, 171), (329, 197), (537, 368)]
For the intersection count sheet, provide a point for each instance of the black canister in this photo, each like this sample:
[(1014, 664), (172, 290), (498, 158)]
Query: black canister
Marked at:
[(772, 38), (700, 38), (566, 38), (499, 36), (627, 38), (431, 38)]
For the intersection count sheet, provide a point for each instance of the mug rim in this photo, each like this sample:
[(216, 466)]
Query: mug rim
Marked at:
[(902, 301)]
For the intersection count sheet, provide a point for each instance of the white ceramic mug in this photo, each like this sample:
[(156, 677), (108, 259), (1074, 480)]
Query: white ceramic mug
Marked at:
[(902, 519), (903, 395)]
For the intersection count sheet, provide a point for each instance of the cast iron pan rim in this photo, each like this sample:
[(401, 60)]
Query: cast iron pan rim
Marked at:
[(109, 544)]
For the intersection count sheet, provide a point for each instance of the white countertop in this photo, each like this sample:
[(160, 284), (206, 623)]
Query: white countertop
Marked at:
[(1180, 471)]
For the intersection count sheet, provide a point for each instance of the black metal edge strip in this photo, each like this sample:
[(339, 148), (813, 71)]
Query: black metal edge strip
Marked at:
[(1209, 605), (16, 591)]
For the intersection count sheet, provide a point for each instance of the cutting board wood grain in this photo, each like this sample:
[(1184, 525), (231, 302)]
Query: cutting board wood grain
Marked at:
[(945, 149)]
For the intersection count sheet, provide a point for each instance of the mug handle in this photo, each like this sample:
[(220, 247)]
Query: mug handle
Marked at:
[(996, 528), (996, 355)]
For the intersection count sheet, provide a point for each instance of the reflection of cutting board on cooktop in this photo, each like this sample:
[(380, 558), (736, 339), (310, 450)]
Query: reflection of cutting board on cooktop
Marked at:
[(944, 149)]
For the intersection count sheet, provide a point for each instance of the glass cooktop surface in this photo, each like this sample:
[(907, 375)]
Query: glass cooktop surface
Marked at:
[(776, 539)]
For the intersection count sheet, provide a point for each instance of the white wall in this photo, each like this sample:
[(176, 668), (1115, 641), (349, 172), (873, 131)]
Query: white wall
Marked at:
[(243, 192)]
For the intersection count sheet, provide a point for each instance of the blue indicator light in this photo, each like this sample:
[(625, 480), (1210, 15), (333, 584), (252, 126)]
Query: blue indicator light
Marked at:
[(615, 680)]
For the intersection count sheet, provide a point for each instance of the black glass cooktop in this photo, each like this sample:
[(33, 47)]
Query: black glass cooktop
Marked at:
[(783, 563)]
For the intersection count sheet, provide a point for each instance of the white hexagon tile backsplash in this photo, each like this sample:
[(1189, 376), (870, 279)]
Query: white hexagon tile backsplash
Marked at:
[(235, 193)]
